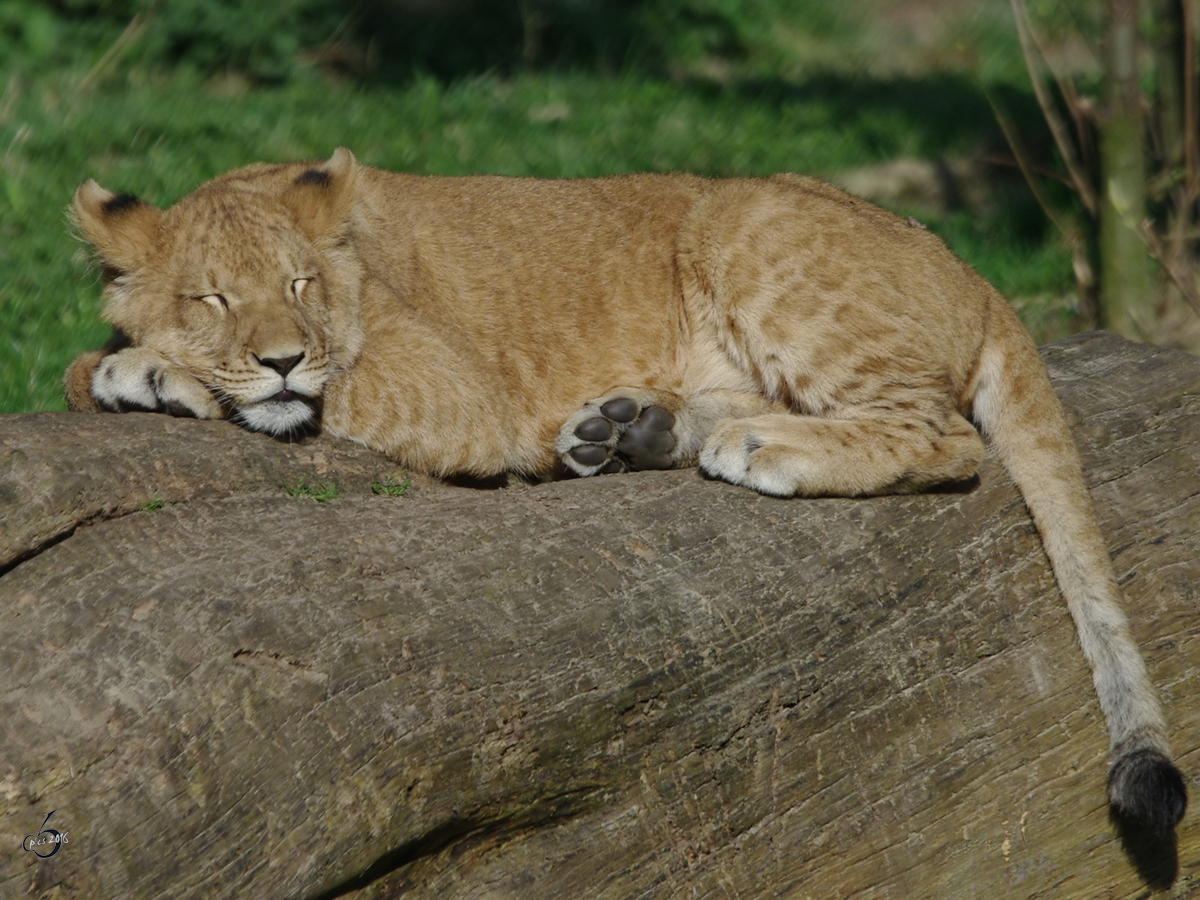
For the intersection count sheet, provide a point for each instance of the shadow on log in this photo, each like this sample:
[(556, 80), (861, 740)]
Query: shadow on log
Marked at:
[(645, 685)]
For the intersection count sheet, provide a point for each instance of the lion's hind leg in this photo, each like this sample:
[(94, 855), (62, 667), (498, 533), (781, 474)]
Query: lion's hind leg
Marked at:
[(859, 453)]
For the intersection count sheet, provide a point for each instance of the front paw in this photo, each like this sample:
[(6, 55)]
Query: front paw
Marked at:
[(138, 379)]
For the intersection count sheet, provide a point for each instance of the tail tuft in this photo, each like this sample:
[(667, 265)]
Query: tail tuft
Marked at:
[(1146, 789)]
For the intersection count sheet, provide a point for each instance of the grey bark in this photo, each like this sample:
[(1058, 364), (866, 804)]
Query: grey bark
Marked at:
[(632, 686)]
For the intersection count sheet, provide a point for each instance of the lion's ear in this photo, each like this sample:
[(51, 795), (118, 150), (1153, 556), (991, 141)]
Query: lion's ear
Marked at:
[(322, 195), (121, 227)]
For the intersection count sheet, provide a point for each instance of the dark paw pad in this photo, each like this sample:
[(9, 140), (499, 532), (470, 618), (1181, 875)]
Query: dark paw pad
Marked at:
[(619, 435), (589, 454), (1146, 789), (596, 429), (648, 442), (622, 409)]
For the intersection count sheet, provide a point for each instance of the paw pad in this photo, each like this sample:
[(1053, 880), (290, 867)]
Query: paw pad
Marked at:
[(590, 454), (596, 429), (618, 436), (622, 409)]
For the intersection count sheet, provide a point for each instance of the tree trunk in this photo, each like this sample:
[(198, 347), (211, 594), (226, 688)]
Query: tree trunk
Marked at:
[(1127, 282), (631, 686)]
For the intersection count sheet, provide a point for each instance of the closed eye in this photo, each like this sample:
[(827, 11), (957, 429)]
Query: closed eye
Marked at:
[(298, 287), (216, 301)]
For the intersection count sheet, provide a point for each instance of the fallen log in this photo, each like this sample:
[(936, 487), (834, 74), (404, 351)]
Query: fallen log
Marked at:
[(646, 685)]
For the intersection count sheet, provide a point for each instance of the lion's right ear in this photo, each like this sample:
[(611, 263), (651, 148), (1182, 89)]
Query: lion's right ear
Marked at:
[(121, 227), (322, 196)]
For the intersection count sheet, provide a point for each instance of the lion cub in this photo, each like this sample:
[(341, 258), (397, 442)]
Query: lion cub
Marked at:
[(784, 335)]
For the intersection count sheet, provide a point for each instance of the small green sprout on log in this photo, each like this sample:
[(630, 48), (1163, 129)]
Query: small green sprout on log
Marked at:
[(320, 491), (393, 486)]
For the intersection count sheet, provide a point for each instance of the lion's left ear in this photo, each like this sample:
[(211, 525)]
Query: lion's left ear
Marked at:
[(322, 196), (122, 228)]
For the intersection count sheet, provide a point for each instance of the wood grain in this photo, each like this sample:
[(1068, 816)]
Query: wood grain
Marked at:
[(645, 685)]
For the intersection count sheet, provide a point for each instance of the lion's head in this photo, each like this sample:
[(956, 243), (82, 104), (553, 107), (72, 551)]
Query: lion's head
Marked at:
[(241, 283)]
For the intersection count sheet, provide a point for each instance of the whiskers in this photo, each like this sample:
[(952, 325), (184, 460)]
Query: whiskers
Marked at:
[(258, 400), (222, 396)]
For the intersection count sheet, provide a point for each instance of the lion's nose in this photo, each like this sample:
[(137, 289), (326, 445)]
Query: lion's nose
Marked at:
[(282, 364)]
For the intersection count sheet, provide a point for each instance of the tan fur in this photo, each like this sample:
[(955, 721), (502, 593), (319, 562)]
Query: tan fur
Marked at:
[(803, 342)]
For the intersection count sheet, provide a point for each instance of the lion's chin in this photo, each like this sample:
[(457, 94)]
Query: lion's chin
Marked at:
[(279, 417)]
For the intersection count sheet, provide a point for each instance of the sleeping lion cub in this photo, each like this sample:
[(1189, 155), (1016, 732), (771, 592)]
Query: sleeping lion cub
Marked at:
[(782, 334)]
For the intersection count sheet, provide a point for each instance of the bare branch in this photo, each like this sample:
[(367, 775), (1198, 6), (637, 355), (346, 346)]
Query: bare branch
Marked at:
[(1027, 168), (1082, 112), (1011, 162), (1085, 276), (1034, 62), (1154, 247)]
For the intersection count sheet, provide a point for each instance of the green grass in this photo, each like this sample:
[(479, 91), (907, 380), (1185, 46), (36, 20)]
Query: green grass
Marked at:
[(160, 136), (395, 485), (321, 491), (153, 505)]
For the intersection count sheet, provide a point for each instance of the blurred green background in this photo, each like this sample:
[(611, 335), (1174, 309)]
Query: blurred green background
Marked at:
[(894, 99)]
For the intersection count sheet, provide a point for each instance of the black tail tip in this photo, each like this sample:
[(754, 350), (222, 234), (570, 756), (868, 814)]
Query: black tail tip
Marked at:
[(1146, 790)]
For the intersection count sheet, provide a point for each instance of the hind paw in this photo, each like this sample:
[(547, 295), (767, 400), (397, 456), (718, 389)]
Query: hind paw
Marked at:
[(623, 431)]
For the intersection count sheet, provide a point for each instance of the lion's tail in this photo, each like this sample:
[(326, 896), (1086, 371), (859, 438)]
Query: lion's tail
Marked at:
[(1018, 412)]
